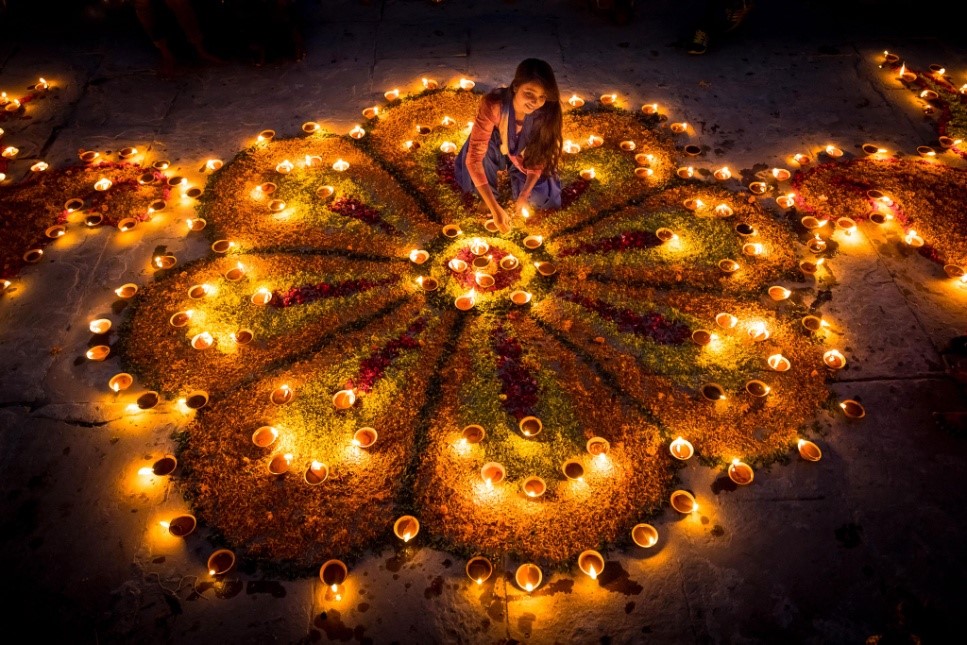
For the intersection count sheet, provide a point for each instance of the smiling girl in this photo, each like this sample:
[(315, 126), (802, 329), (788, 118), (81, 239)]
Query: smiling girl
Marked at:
[(518, 128)]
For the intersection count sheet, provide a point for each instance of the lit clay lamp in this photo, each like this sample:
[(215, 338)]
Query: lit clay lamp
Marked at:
[(872, 149), (598, 447), (713, 392), (182, 525), (93, 219), (701, 337), (741, 473), (325, 192), (391, 95), (834, 359), (279, 464), (265, 436), (282, 394), (528, 577), (466, 301), (534, 486), (758, 332), (913, 240), (812, 323), (665, 235), (926, 151), (954, 271), (686, 172), (479, 569), (87, 156), (693, 204), (683, 502), (371, 112), (816, 244), (316, 473), (752, 249), (533, 241), (948, 142), (265, 136), (243, 336), (802, 159), (810, 223), (202, 341), (608, 99), (262, 296), (575, 101), (530, 426), (457, 265), (726, 320), (509, 263), (120, 381), (357, 132), (520, 297), (491, 226), (679, 128), (196, 399), (810, 267), (406, 528), (451, 230), (570, 148), (681, 449), (311, 127), (199, 291), (728, 267), (781, 174), (723, 173), (628, 145), (906, 75), (340, 166), (344, 399), (546, 268), (723, 211), (649, 108), (165, 261), (222, 246), (644, 159), (221, 562), (846, 224), (644, 535), (164, 466), (758, 187), (429, 284), (809, 451), (778, 293), (40, 166), (492, 473), (833, 151), (365, 437), (778, 363), (276, 206), (196, 224), (180, 318), (591, 563), (98, 353), (786, 201), (587, 174), (100, 326), (236, 273), (333, 573), (573, 470), (161, 164), (479, 247), (430, 84), (757, 388), (890, 59), (148, 400), (853, 409), (473, 434)]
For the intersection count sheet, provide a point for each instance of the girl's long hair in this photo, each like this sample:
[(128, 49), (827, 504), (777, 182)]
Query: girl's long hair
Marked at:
[(544, 146)]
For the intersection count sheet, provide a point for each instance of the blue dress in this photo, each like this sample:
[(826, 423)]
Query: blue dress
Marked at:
[(546, 193)]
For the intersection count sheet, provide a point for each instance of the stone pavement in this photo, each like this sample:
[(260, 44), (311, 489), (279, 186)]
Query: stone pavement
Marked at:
[(867, 541)]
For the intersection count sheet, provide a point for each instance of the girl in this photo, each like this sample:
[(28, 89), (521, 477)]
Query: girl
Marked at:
[(518, 128)]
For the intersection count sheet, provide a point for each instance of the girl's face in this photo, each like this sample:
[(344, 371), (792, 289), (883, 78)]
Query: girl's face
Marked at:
[(528, 98)]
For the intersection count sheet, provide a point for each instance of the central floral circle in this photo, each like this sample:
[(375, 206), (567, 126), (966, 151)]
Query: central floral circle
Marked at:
[(485, 265)]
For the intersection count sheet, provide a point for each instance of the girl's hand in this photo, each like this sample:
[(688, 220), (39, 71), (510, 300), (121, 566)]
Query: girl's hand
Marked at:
[(501, 219), (522, 206)]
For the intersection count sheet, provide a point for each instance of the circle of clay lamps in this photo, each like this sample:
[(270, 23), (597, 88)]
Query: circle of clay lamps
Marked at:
[(221, 562), (279, 464), (528, 577), (120, 381), (683, 502), (282, 395), (741, 473), (573, 470), (809, 451), (196, 400), (853, 409), (591, 563), (533, 486), (148, 400), (530, 426), (182, 526), (834, 360), (492, 473), (265, 436), (333, 573), (681, 449), (479, 569), (644, 535), (365, 437), (98, 352), (316, 473)]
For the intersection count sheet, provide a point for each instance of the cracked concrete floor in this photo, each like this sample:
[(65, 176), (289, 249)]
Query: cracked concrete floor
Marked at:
[(867, 541)]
